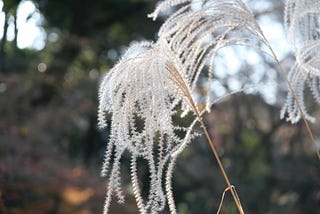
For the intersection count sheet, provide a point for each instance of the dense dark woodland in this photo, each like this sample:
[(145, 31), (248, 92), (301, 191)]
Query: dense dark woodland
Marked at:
[(51, 150)]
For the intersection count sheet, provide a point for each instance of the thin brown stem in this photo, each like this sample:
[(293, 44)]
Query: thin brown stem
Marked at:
[(226, 178), (181, 84), (222, 199), (291, 90), (283, 73)]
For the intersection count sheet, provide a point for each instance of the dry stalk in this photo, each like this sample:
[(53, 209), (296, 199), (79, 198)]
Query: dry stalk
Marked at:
[(285, 76), (181, 84)]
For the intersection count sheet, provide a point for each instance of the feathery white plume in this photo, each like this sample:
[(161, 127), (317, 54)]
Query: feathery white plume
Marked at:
[(145, 88), (302, 23), (142, 98), (195, 35)]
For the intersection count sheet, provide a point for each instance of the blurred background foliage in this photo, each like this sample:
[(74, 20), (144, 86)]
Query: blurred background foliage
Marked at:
[(51, 149)]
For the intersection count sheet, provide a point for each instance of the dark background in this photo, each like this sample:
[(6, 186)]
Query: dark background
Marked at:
[(51, 149)]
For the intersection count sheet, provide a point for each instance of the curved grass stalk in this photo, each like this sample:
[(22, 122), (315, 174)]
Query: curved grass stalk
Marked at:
[(222, 198), (179, 81), (294, 95)]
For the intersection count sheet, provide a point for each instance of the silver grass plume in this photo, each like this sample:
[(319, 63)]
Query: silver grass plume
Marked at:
[(302, 23), (142, 98), (152, 79), (195, 35)]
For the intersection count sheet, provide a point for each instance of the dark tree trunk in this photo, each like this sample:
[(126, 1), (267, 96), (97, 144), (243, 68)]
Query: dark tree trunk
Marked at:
[(15, 40), (63, 58), (3, 46)]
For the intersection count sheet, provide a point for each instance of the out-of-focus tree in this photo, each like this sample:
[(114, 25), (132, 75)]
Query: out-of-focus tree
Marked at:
[(10, 11), (48, 100), (98, 28), (83, 40)]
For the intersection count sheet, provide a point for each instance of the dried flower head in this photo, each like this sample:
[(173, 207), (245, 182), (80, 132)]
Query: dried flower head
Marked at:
[(142, 98)]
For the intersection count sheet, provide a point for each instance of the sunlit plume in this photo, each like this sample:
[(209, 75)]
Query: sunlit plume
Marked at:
[(144, 89), (302, 21)]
